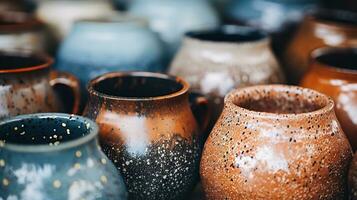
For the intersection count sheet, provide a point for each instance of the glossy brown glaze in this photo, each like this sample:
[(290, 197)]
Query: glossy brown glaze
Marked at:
[(333, 71), (276, 142), (322, 28), (148, 130), (28, 86)]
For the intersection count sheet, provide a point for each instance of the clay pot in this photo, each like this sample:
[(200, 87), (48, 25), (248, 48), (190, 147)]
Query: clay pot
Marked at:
[(216, 61), (333, 71), (149, 131), (20, 30), (276, 142), (322, 28), (27, 85)]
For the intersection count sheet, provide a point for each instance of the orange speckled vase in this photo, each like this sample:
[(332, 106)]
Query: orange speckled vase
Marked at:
[(276, 142)]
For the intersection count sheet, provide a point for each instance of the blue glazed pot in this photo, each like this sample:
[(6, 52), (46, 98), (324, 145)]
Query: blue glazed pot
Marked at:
[(97, 47), (55, 157), (173, 18)]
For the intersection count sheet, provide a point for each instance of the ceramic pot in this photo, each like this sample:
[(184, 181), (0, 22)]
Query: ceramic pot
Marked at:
[(19, 30), (216, 61), (322, 28), (115, 45), (27, 85), (55, 156), (276, 142), (333, 71), (148, 130), (60, 15), (173, 18)]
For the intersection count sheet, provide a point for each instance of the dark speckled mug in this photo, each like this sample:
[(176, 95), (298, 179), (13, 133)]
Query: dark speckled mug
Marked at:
[(147, 128), (27, 85)]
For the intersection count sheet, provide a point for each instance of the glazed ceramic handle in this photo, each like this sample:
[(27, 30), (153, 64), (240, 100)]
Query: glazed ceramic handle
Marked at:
[(69, 81), (200, 109)]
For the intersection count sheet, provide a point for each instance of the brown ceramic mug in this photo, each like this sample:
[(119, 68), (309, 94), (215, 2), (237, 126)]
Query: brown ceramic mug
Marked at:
[(333, 71), (276, 142), (148, 129), (27, 85)]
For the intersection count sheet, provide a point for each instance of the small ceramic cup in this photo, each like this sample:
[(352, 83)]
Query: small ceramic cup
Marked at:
[(55, 156), (27, 85)]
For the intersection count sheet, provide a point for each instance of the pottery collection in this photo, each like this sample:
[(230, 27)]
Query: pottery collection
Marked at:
[(58, 157), (276, 142), (333, 71)]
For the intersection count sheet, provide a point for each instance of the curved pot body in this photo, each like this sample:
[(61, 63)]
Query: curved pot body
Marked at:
[(276, 142), (173, 18), (322, 28), (333, 71), (215, 62), (57, 158), (113, 46), (148, 130)]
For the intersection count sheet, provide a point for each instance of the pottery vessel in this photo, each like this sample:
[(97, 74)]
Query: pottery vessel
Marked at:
[(116, 44), (321, 28), (216, 61), (333, 71), (19, 30), (55, 156), (27, 85), (276, 142), (173, 18), (149, 131)]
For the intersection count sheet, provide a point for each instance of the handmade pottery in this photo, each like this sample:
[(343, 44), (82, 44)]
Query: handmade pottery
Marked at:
[(173, 18), (333, 71), (276, 142), (116, 44), (55, 156), (148, 130), (19, 30), (216, 61), (28, 86), (322, 28)]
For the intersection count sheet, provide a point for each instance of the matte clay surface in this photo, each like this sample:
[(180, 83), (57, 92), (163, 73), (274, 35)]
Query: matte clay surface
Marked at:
[(334, 73), (148, 130), (276, 142)]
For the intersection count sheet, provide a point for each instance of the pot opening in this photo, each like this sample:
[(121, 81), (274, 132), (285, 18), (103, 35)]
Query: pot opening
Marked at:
[(21, 61), (229, 33), (42, 129), (336, 16), (345, 59), (138, 86), (280, 100)]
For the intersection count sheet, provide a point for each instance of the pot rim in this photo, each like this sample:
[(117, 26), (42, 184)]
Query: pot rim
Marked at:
[(47, 61), (45, 147), (229, 100), (179, 80), (24, 22)]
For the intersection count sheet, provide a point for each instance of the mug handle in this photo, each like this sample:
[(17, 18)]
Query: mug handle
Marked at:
[(69, 81), (200, 109)]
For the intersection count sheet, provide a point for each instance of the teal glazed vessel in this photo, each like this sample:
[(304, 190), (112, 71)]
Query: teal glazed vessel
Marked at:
[(55, 157), (121, 44)]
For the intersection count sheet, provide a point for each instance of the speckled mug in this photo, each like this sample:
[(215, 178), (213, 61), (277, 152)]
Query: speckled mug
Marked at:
[(27, 85), (276, 142), (54, 157), (147, 128)]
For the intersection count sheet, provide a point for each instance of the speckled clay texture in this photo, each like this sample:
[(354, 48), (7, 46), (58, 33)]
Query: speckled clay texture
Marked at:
[(276, 142)]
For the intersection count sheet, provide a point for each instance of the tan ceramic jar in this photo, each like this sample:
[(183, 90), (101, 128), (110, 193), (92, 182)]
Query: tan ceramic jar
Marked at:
[(276, 142)]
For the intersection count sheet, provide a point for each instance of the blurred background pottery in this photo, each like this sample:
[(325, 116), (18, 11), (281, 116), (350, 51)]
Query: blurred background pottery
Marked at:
[(321, 28), (147, 128), (173, 18), (95, 47), (276, 142), (217, 61), (333, 71), (55, 156), (28, 86), (19, 30)]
